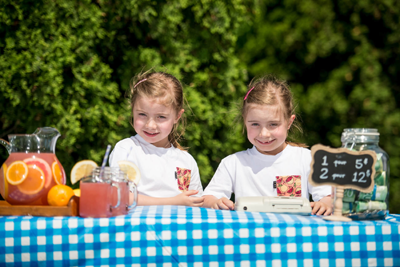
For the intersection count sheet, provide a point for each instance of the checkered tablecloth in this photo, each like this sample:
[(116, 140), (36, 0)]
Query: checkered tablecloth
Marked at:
[(185, 236)]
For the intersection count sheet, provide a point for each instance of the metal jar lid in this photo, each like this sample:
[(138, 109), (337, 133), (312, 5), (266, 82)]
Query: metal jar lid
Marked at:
[(360, 135)]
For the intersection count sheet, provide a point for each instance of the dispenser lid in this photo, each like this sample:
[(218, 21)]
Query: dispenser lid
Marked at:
[(360, 135)]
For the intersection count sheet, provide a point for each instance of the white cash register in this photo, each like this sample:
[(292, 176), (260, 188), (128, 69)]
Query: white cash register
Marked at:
[(291, 205)]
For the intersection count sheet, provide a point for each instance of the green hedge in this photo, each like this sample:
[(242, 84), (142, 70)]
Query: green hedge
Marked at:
[(67, 64)]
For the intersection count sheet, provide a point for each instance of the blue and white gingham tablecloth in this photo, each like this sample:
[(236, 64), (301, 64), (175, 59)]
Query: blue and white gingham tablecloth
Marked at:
[(185, 236)]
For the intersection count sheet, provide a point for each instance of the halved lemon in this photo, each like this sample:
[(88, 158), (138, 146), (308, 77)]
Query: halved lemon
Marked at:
[(131, 170), (82, 169), (57, 173), (34, 182), (17, 172)]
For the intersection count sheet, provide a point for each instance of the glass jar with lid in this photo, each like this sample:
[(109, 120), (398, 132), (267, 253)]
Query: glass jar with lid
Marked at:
[(374, 205)]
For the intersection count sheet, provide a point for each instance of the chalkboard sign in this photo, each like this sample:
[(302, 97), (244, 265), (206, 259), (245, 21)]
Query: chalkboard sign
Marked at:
[(342, 167)]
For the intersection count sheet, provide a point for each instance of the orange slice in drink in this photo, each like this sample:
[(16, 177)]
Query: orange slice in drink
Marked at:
[(17, 172), (44, 166), (57, 173), (34, 182)]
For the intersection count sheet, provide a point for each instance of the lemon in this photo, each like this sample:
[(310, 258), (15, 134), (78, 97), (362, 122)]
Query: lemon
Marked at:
[(77, 192), (82, 169), (131, 170)]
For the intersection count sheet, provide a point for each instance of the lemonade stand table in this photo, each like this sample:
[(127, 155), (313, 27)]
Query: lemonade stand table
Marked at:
[(185, 236)]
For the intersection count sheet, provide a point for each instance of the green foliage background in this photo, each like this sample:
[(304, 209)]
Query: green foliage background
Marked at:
[(67, 64)]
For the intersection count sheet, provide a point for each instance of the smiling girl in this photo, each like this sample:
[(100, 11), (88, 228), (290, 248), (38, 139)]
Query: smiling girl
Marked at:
[(169, 174), (274, 166)]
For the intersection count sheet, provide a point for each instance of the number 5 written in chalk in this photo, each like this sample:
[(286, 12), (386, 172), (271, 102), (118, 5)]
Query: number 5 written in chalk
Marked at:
[(359, 163)]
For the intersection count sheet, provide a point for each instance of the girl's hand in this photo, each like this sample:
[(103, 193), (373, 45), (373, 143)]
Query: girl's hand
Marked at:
[(322, 207), (223, 204), (185, 199)]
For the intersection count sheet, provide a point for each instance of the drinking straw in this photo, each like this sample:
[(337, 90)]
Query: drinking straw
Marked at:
[(105, 160), (106, 156)]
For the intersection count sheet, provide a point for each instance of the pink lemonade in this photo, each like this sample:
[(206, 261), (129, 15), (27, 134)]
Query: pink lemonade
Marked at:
[(41, 177), (95, 200), (124, 203)]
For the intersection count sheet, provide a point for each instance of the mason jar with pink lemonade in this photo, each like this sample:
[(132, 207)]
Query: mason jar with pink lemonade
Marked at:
[(96, 199), (116, 175), (32, 167)]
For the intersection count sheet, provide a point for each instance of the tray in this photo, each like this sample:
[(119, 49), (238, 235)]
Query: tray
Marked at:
[(72, 209)]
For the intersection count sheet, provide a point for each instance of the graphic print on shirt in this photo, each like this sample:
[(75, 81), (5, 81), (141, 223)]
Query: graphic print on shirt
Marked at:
[(288, 186), (183, 177)]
